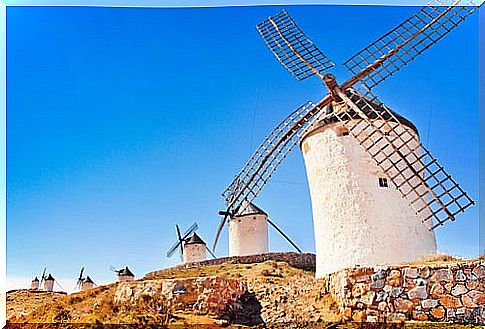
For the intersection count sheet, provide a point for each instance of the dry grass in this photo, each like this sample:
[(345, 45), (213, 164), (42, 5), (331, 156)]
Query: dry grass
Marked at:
[(436, 259)]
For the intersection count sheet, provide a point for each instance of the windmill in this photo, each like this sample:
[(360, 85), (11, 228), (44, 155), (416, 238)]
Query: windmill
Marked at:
[(424, 188), (248, 231), (192, 248), (80, 279), (123, 274)]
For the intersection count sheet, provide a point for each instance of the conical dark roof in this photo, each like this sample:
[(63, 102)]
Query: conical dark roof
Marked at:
[(88, 280), (195, 239), (35, 279), (50, 278), (356, 96), (126, 272), (250, 209)]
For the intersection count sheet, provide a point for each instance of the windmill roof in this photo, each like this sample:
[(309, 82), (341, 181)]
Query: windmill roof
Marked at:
[(35, 279), (88, 280), (250, 209), (125, 272), (49, 277), (355, 96), (195, 239)]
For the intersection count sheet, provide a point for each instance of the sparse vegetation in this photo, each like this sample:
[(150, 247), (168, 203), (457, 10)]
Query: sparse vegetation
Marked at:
[(437, 259), (270, 282)]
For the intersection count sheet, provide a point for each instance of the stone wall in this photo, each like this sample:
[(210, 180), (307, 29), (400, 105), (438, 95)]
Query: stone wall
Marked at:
[(298, 260), (207, 294), (399, 293)]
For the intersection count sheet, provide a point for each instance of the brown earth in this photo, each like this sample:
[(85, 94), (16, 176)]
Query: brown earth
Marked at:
[(285, 294)]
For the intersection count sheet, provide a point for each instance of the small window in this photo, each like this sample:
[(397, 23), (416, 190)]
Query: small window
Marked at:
[(383, 182), (345, 133)]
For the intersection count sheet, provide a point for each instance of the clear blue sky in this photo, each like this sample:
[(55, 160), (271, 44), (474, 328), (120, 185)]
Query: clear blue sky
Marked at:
[(123, 122)]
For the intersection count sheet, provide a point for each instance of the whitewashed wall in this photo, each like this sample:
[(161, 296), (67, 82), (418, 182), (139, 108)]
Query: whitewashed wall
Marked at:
[(123, 278), (194, 252), (248, 235), (356, 222), (49, 285), (34, 285), (86, 286)]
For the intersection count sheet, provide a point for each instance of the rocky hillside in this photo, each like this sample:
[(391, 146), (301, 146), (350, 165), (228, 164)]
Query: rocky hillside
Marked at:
[(280, 293), (270, 293)]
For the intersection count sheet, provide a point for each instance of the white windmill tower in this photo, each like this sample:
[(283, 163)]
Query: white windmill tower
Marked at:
[(248, 231), (49, 283), (87, 284), (35, 284), (374, 186), (192, 248)]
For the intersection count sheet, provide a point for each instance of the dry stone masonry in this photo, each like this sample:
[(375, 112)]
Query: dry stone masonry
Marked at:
[(400, 293), (206, 294)]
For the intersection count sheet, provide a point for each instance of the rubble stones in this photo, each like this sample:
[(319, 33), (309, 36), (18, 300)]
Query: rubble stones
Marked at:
[(429, 303), (428, 293), (403, 305), (458, 289), (460, 276), (207, 294), (418, 293), (438, 312)]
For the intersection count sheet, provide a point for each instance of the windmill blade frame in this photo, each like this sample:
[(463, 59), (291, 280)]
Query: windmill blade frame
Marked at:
[(292, 48), (210, 252), (254, 175), (416, 174), (43, 277), (172, 249), (280, 231), (194, 227), (408, 40), (272, 151)]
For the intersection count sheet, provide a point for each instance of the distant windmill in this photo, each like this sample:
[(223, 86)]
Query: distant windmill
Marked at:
[(80, 280), (376, 191), (192, 248), (35, 284), (124, 274), (87, 283), (84, 283), (248, 231)]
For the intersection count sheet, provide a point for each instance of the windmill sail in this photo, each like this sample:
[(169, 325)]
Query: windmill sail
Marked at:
[(409, 165), (181, 239), (292, 47), (260, 167), (371, 66), (411, 38)]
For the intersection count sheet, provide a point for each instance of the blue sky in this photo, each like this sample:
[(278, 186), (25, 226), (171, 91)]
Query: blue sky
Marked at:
[(125, 121)]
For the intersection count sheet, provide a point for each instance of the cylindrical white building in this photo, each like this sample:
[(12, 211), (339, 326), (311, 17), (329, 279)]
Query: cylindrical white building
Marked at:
[(35, 284), (49, 283), (87, 283), (125, 275), (194, 249), (359, 217), (248, 232)]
